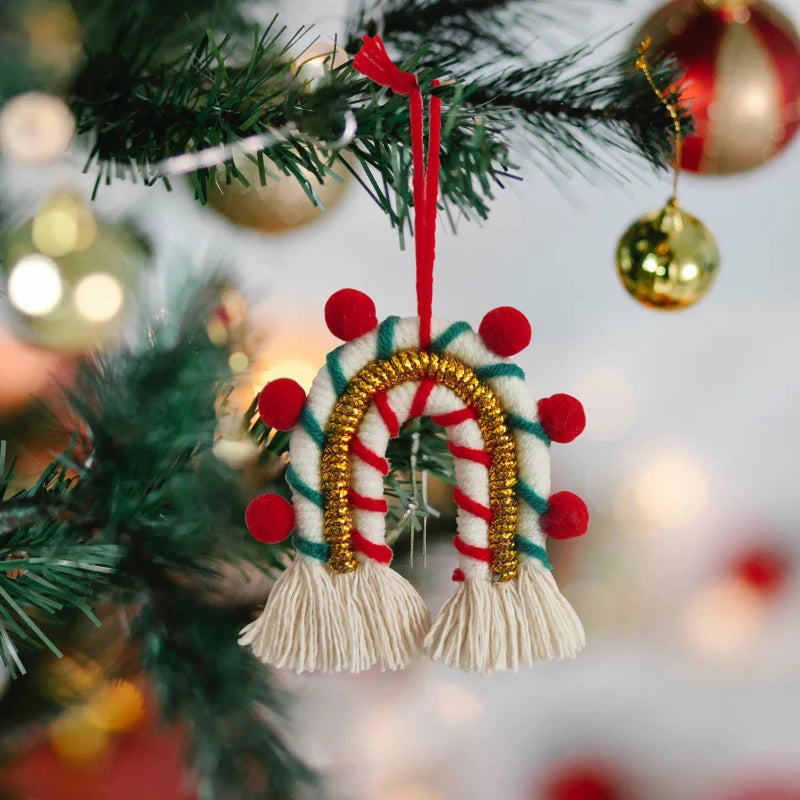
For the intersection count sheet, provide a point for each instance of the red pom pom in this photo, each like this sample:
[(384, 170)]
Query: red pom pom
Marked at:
[(458, 575), (505, 331), (566, 517), (350, 314), (562, 416), (579, 781), (269, 518), (280, 403), (762, 569)]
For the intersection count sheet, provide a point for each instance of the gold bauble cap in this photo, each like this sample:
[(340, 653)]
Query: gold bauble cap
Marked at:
[(667, 259)]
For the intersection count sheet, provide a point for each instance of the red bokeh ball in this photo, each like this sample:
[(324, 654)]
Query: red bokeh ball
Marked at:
[(762, 568), (269, 518), (350, 314), (562, 417), (774, 788), (582, 781), (741, 81), (566, 517), (505, 331), (280, 403)]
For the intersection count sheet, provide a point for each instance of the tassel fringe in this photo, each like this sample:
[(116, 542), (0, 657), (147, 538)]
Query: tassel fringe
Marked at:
[(393, 617), (301, 627), (488, 626), (318, 621)]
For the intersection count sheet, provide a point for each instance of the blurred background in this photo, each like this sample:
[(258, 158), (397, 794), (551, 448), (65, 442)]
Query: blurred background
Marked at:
[(688, 580)]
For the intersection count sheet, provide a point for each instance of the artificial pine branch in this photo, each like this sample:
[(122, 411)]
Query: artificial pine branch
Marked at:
[(144, 93), (148, 509)]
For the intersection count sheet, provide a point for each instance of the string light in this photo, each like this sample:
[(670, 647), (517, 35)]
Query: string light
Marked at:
[(98, 297), (34, 285)]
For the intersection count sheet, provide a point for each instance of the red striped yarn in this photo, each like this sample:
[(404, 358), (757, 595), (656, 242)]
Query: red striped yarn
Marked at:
[(387, 414), (469, 454), (478, 553), (370, 457), (381, 553), (471, 506), (367, 503), (454, 417), (421, 397)]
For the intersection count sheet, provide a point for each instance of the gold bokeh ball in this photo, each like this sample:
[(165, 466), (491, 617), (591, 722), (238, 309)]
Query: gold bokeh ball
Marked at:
[(667, 259), (68, 278), (281, 204)]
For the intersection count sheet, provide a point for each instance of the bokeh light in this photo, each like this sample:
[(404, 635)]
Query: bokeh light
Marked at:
[(98, 297), (456, 705), (411, 791), (725, 618), (35, 127), (62, 226), (669, 489), (34, 285), (300, 370)]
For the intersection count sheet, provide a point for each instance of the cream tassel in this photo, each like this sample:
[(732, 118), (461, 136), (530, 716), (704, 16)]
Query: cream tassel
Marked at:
[(555, 630), (301, 627), (384, 616), (487, 626)]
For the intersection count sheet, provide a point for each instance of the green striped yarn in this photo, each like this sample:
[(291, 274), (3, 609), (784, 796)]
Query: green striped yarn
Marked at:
[(499, 371), (528, 426), (302, 488), (527, 547), (534, 500), (386, 337), (310, 425), (319, 550), (335, 371), (448, 336)]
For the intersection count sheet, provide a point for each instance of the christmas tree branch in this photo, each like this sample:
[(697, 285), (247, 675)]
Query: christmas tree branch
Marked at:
[(454, 28), (139, 100), (143, 518)]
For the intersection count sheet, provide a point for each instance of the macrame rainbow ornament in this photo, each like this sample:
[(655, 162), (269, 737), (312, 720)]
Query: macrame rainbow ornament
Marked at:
[(339, 606)]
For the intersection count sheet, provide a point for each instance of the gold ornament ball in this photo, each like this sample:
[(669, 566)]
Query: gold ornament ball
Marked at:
[(315, 63), (281, 204), (667, 259)]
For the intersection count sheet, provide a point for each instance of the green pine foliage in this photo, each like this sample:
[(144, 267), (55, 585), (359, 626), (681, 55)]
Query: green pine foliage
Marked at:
[(161, 79)]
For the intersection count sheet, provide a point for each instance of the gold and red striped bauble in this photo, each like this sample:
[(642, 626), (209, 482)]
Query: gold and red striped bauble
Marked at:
[(742, 79)]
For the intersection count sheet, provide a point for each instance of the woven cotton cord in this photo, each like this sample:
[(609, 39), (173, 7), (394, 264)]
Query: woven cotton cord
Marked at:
[(367, 447)]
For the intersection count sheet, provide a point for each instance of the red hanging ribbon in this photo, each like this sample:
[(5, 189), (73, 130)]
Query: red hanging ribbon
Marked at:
[(373, 61)]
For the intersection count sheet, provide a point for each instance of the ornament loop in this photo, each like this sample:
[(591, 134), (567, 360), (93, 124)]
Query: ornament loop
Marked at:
[(643, 67)]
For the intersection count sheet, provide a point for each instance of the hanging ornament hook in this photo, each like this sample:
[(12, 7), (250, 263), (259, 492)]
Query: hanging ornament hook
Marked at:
[(642, 65)]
